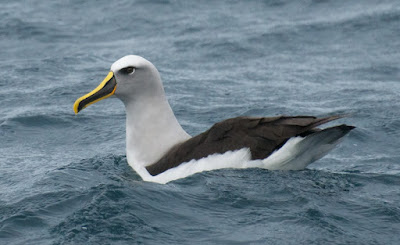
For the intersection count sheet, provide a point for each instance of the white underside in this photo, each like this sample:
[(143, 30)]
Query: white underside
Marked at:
[(295, 154)]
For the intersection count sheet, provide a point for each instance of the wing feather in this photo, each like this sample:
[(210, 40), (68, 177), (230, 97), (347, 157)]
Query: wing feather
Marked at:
[(261, 135)]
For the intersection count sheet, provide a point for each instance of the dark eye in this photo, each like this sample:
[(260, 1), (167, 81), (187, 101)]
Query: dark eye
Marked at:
[(128, 70)]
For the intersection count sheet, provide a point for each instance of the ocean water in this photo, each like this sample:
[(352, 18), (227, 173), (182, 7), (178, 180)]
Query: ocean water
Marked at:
[(64, 179)]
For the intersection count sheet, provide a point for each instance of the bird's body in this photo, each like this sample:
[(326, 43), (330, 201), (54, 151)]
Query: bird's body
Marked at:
[(160, 150)]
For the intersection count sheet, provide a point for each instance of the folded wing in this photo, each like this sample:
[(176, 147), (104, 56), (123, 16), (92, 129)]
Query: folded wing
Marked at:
[(261, 135)]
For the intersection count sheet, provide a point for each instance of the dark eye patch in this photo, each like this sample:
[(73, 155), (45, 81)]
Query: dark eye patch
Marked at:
[(128, 70)]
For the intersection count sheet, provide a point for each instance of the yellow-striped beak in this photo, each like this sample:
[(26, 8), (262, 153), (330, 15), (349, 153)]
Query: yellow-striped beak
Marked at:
[(104, 90)]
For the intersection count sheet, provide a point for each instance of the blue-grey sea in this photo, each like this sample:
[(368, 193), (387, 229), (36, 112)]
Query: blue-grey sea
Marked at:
[(64, 178)]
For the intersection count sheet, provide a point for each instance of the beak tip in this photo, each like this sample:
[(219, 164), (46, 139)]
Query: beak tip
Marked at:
[(75, 108)]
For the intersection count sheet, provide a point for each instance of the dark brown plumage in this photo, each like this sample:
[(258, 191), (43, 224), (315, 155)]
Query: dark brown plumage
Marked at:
[(261, 135)]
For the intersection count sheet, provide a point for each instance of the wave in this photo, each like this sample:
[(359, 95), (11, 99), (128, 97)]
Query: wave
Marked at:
[(101, 199), (346, 25)]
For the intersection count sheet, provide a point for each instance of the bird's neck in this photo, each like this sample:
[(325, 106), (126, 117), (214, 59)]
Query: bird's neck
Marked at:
[(151, 130)]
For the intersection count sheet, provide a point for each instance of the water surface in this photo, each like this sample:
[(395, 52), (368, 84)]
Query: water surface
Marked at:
[(64, 179)]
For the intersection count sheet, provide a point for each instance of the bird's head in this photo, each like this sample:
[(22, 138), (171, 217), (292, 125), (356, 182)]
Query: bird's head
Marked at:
[(131, 77)]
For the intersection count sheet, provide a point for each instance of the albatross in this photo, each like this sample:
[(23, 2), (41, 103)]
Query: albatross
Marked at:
[(160, 150)]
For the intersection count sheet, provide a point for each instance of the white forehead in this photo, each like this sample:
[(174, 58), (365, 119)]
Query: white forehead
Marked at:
[(130, 60)]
